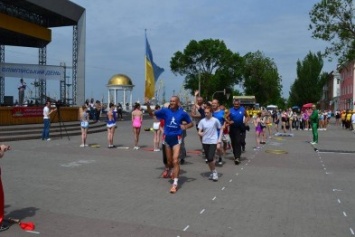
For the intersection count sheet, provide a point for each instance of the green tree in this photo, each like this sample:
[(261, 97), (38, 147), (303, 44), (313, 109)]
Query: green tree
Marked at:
[(333, 21), (261, 78), (307, 87), (210, 62)]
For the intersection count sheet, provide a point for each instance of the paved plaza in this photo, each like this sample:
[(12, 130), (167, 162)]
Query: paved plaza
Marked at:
[(285, 189)]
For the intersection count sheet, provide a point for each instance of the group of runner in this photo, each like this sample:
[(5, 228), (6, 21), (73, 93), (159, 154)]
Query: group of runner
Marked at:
[(215, 125)]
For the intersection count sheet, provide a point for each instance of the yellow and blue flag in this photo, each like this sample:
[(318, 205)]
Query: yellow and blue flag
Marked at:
[(152, 71)]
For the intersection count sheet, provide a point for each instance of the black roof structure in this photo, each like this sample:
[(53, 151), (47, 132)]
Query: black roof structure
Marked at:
[(42, 13)]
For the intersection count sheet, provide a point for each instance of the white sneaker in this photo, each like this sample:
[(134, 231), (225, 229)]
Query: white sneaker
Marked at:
[(48, 139), (86, 145), (82, 145), (211, 176), (215, 176), (313, 143), (157, 149)]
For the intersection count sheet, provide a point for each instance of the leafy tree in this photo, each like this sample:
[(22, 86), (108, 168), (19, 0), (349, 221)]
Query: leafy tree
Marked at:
[(210, 62), (261, 78), (307, 88), (332, 21)]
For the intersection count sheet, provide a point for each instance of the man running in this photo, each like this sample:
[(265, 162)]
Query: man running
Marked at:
[(197, 111), (173, 129), (237, 118)]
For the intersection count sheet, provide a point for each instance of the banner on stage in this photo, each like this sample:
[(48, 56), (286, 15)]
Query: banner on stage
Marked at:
[(26, 112), (34, 71)]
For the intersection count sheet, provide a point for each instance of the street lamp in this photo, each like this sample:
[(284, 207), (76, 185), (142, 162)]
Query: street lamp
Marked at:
[(224, 93)]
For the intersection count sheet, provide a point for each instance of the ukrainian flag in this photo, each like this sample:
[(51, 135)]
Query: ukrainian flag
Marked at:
[(152, 71)]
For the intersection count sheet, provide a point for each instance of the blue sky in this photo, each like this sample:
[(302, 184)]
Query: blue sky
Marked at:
[(115, 38)]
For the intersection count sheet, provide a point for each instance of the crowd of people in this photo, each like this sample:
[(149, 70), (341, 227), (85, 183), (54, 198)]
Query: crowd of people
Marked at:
[(219, 129)]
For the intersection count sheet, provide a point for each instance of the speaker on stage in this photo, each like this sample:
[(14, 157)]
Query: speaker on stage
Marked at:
[(8, 100)]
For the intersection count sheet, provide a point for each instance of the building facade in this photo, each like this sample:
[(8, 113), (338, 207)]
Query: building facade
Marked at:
[(346, 98)]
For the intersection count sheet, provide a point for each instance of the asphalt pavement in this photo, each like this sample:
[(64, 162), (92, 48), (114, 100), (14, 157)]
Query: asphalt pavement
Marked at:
[(287, 188)]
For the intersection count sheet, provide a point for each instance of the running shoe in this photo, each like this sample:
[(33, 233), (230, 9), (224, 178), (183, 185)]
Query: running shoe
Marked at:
[(165, 174), (220, 162), (313, 143), (173, 188), (4, 227), (215, 176), (237, 161), (211, 176), (82, 145)]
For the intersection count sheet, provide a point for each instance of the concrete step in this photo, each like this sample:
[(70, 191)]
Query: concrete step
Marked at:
[(34, 131)]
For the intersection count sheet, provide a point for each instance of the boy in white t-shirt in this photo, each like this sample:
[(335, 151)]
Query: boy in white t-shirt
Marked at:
[(208, 130)]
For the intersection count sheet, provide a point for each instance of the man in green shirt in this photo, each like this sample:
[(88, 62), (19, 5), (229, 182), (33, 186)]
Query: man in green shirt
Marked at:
[(314, 124)]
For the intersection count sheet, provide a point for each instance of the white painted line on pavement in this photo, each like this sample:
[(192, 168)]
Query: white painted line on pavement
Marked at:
[(202, 211), (339, 201), (214, 198), (77, 163), (223, 188), (230, 181), (186, 228), (351, 230), (32, 232), (344, 213), (123, 147), (86, 161)]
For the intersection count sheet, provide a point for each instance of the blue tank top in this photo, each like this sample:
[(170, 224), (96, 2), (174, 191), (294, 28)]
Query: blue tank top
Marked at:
[(202, 112)]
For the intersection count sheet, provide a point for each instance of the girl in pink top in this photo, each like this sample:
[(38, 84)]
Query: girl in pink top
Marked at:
[(137, 119)]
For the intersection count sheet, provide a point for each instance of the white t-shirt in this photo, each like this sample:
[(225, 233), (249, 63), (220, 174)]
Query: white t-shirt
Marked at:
[(353, 118), (45, 112), (209, 127)]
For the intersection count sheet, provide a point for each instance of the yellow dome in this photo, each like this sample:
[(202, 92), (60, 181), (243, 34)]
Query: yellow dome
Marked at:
[(120, 80)]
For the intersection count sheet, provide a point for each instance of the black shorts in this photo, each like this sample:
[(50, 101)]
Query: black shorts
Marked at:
[(210, 151)]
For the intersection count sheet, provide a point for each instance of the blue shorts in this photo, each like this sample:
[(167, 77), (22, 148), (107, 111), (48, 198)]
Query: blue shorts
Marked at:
[(172, 140)]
